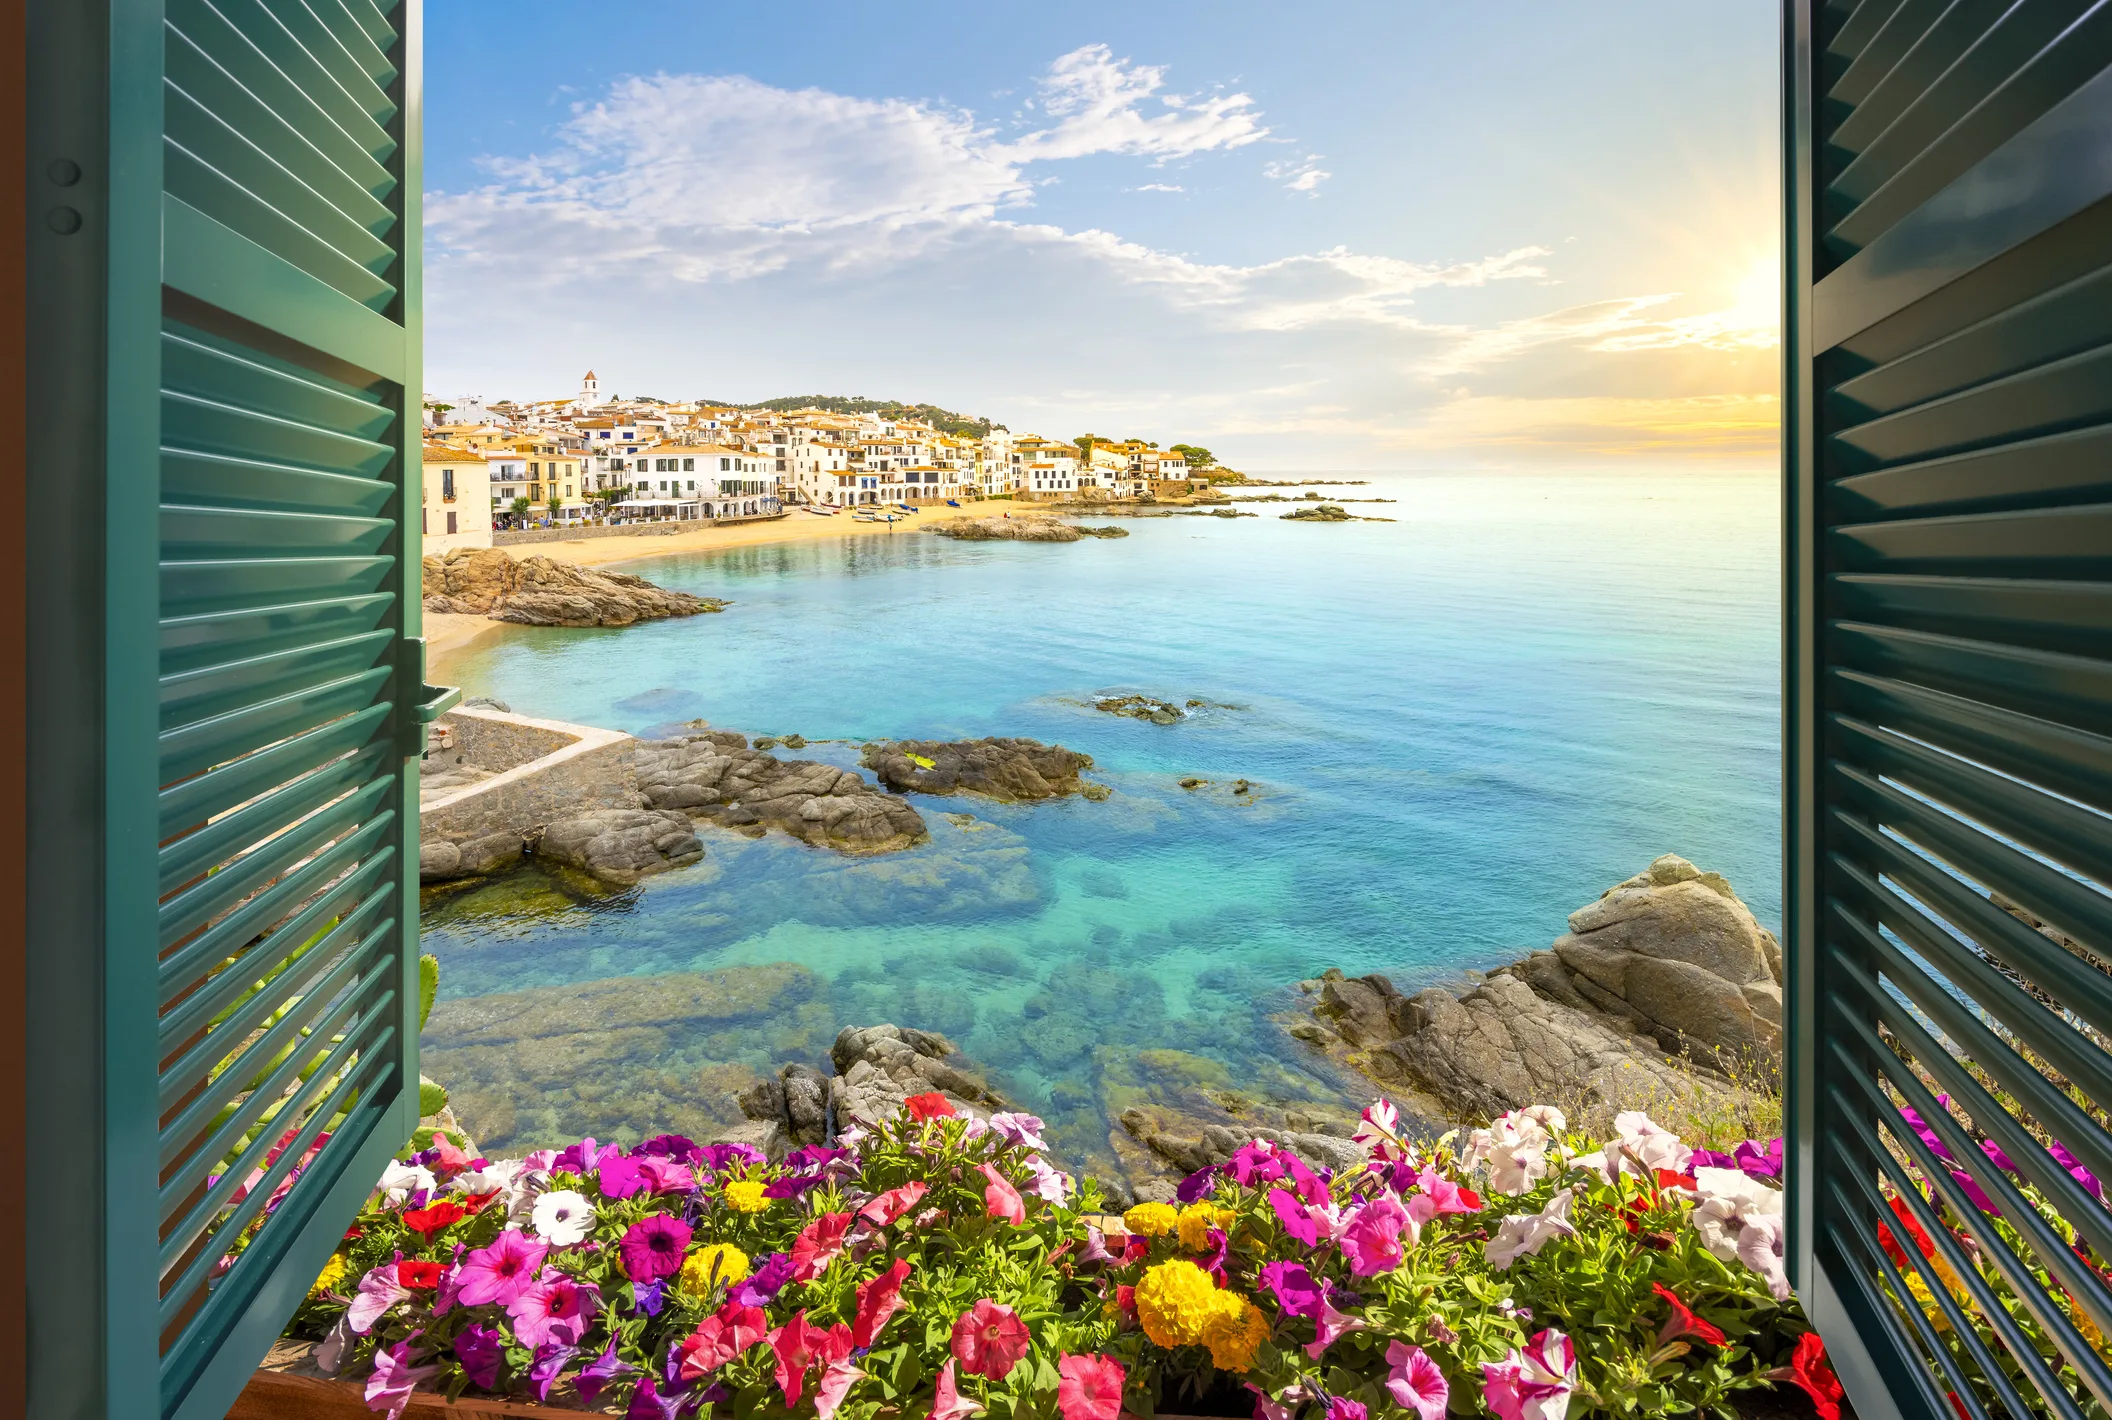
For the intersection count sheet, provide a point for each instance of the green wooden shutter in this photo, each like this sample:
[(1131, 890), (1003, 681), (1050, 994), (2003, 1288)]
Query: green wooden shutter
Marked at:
[(228, 693), (1948, 441)]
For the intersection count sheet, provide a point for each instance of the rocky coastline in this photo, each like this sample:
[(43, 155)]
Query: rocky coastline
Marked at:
[(537, 591), (637, 813), (1666, 987)]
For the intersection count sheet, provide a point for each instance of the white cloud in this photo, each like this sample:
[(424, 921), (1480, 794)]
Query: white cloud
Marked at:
[(1096, 100), (1306, 175), (1159, 187)]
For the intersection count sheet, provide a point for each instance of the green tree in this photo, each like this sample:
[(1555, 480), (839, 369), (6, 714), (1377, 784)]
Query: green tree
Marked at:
[(521, 507), (1199, 458), (557, 506)]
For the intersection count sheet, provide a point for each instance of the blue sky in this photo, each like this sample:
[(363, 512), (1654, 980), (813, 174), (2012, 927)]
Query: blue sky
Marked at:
[(1359, 235)]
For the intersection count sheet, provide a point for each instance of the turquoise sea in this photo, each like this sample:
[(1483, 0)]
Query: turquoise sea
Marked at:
[(1459, 726)]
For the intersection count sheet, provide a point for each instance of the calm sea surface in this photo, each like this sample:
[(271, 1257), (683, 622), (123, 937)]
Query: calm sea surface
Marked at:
[(1459, 727)]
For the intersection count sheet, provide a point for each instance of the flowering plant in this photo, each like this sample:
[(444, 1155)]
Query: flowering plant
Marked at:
[(939, 1263)]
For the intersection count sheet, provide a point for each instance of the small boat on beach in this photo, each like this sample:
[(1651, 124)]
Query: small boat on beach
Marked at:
[(820, 511)]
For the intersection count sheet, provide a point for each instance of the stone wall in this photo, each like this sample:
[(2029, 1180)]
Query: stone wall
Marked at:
[(485, 825), (496, 741), (514, 537)]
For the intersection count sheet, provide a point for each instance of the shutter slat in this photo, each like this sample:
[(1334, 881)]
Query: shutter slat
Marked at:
[(2058, 542), (2076, 688), (212, 690), (348, 81), (263, 864), (205, 847), (188, 641), (2023, 745), (317, 975)]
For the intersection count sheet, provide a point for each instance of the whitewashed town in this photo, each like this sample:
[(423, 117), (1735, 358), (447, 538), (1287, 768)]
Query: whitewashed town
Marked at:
[(595, 459)]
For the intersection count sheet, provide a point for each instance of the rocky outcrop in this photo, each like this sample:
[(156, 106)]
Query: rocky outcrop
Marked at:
[(1084, 531), (536, 591), (714, 775), (1325, 513), (877, 1068), (1143, 707), (1023, 529), (1663, 988), (621, 845), (1009, 770)]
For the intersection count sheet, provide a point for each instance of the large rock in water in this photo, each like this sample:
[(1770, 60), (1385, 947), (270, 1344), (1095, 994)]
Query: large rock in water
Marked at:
[(715, 775), (536, 591), (622, 845), (1657, 990), (1023, 529), (877, 1068), (1010, 770)]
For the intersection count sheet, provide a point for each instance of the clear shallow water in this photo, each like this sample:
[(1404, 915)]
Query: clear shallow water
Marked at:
[(1460, 725)]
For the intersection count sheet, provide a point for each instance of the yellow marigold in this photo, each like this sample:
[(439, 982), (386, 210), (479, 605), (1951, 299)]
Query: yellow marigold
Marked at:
[(333, 1273), (746, 1194), (1151, 1220), (1175, 1302), (1196, 1221), (713, 1265), (1235, 1330)]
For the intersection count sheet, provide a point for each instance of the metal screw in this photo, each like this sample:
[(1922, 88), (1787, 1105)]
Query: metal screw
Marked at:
[(64, 171), (64, 220)]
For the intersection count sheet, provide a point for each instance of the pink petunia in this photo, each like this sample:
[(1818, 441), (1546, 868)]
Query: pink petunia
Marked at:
[(1090, 1388), (379, 1292), (817, 1245), (1534, 1383), (892, 1204), (988, 1339), (838, 1371), (1377, 1236), (1448, 1196), (795, 1344), (720, 1337), (950, 1404), (1002, 1198), (1328, 1326), (666, 1175), (878, 1299), (555, 1311), (501, 1271), (1415, 1382), (389, 1388)]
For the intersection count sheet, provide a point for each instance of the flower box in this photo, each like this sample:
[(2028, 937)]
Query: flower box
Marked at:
[(289, 1387)]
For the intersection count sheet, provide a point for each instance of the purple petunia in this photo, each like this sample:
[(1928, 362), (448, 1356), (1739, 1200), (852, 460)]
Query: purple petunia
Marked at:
[(678, 1147), (653, 1248), (1297, 1294), (766, 1281), (584, 1157), (599, 1372), (550, 1363), (480, 1349)]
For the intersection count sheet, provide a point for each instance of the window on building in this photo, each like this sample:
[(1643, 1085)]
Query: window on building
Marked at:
[(689, 466), (450, 519), (447, 483)]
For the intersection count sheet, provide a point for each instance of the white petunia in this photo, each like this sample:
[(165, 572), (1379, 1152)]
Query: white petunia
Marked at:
[(1650, 1144), (1523, 1234), (1516, 1168), (562, 1217), (400, 1180), (492, 1178), (1760, 1247), (1724, 1200)]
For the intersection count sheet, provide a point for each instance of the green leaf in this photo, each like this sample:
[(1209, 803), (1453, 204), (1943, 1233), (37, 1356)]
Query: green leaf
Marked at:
[(428, 986), (432, 1099)]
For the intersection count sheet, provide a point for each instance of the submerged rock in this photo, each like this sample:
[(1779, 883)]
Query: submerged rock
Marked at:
[(1143, 707), (1325, 513), (1032, 528), (1662, 989), (537, 591), (715, 775), (1100, 532), (1009, 770), (877, 1069)]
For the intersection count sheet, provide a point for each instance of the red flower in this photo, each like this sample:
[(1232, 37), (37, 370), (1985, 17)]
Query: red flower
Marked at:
[(718, 1339), (878, 1300), (930, 1105), (1914, 1230), (988, 1339), (796, 1343), (428, 1223), (418, 1276), (1807, 1370), (1472, 1199), (817, 1245), (1670, 1178), (476, 1203), (1002, 1199), (1126, 1304), (1091, 1388), (1683, 1323)]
